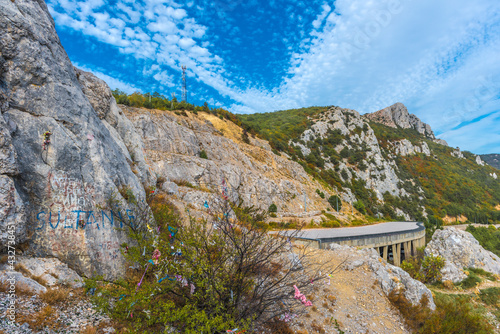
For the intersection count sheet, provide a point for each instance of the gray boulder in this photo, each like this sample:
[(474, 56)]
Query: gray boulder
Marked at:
[(460, 250), (390, 278), (21, 283), (52, 271)]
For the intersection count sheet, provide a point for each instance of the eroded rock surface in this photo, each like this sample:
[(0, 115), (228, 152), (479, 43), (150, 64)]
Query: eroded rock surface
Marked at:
[(398, 116), (390, 278), (62, 185), (460, 251)]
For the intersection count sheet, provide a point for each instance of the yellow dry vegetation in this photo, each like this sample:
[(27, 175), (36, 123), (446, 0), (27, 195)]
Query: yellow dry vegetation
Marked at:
[(228, 128), (450, 220)]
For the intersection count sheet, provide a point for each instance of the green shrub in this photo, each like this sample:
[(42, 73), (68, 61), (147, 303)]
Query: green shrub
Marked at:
[(360, 206), (335, 202), (203, 154), (426, 269), (431, 268), (200, 279), (320, 193), (273, 208), (471, 281), (490, 296), (455, 314)]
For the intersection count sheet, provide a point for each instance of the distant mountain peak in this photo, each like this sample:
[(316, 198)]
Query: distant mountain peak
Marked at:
[(397, 116)]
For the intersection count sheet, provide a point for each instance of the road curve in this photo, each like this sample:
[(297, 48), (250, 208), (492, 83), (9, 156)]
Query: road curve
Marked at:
[(359, 232)]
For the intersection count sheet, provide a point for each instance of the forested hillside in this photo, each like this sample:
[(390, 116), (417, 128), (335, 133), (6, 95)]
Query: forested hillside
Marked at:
[(382, 171), (492, 160), (436, 182)]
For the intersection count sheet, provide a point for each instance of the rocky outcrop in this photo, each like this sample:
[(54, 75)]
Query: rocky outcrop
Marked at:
[(479, 161), (398, 116), (457, 153), (460, 251), (390, 278), (172, 146), (380, 174), (50, 270), (404, 147), (441, 141), (53, 190), (21, 283)]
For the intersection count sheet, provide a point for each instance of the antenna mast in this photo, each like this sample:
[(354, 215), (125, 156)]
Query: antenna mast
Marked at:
[(184, 88)]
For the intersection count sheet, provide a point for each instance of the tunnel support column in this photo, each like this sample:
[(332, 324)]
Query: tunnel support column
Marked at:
[(396, 254)]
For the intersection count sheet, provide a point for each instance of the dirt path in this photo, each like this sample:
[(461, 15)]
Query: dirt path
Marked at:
[(354, 298)]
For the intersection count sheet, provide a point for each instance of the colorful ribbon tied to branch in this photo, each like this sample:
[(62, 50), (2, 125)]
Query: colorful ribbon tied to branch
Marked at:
[(173, 231), (205, 204), (156, 256), (46, 139), (235, 331), (224, 190), (145, 271), (300, 296)]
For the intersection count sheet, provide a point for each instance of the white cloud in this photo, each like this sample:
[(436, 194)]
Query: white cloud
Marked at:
[(319, 20), (363, 55), (112, 82)]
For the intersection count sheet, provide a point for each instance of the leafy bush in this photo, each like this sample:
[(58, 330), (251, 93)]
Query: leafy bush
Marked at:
[(488, 237), (203, 154), (471, 281), (426, 269), (335, 202), (202, 277), (360, 206), (273, 208), (455, 314), (320, 193)]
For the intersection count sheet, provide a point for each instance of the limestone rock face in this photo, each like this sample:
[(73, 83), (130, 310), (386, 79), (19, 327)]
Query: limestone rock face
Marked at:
[(380, 174), (398, 116), (172, 146), (52, 270), (22, 283), (479, 161), (404, 148), (390, 277), (63, 184), (460, 251), (441, 141), (457, 153)]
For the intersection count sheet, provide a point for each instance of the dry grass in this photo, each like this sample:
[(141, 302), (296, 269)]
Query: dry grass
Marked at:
[(40, 280), (54, 296), (415, 316), (4, 259), (46, 317), (22, 269), (89, 330), (317, 328), (279, 327), (449, 284)]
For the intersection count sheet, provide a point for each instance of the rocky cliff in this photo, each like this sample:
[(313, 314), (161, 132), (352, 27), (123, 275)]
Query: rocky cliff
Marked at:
[(60, 156), (398, 116)]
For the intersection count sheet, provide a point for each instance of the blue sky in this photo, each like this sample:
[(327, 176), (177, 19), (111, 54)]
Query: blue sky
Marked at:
[(440, 58)]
